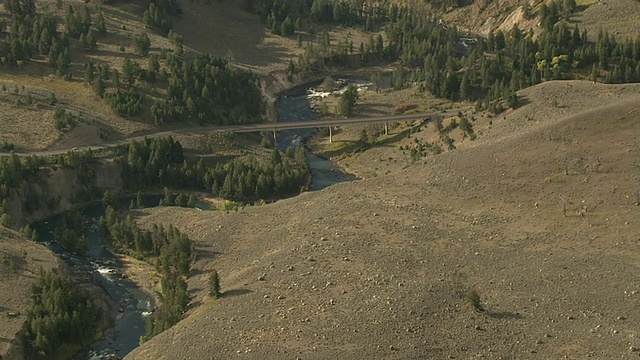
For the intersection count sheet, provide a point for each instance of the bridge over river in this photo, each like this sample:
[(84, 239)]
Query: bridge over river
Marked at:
[(275, 127)]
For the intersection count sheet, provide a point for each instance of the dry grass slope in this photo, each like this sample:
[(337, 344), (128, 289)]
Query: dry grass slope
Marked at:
[(379, 268), (20, 261)]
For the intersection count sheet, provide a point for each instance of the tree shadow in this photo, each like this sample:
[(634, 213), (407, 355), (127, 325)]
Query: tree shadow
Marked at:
[(236, 292), (194, 305), (207, 254), (196, 272), (523, 101), (504, 315), (580, 8), (374, 108)]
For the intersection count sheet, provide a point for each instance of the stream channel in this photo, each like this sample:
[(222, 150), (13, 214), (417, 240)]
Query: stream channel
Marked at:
[(134, 305)]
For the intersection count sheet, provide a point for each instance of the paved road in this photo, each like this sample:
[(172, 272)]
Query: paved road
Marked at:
[(251, 128)]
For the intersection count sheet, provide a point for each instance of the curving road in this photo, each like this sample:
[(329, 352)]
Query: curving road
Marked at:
[(251, 128)]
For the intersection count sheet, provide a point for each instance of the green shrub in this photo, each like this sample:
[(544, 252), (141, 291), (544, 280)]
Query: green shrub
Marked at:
[(474, 300)]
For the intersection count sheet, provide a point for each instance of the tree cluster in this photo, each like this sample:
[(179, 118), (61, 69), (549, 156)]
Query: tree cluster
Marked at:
[(172, 252), (77, 23), (161, 162), (29, 34), (493, 69), (158, 14), (348, 100), (179, 199), (15, 171), (20, 7), (125, 102), (70, 232), (247, 178), (152, 163), (174, 264), (62, 119), (209, 90), (61, 315)]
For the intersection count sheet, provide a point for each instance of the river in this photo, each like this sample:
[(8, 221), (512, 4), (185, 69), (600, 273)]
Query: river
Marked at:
[(294, 105), (132, 304)]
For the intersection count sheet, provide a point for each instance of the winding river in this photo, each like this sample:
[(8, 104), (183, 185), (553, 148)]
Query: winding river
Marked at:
[(294, 105), (131, 305)]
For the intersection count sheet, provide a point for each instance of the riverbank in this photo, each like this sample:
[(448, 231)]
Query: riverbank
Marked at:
[(142, 274)]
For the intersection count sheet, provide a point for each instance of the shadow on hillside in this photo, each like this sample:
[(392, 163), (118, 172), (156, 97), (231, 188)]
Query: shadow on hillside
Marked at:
[(504, 315), (196, 272), (224, 30), (580, 8), (373, 108), (523, 101), (236, 292), (207, 254)]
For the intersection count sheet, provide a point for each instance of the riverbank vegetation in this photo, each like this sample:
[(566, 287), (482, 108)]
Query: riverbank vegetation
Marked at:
[(61, 319), (162, 162), (169, 250), (70, 232), (440, 59)]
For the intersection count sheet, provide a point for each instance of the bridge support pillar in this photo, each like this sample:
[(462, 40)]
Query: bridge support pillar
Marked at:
[(386, 128), (275, 138), (330, 135)]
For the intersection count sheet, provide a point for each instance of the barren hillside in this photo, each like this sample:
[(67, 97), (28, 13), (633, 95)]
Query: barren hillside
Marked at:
[(379, 268)]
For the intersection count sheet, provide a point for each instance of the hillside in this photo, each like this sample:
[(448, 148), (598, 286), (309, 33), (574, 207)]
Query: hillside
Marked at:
[(539, 214), (380, 268), (20, 262)]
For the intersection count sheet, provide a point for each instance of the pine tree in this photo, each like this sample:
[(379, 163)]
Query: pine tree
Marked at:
[(143, 44), (464, 88), (92, 42), (100, 25), (99, 86), (595, 72), (214, 285)]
